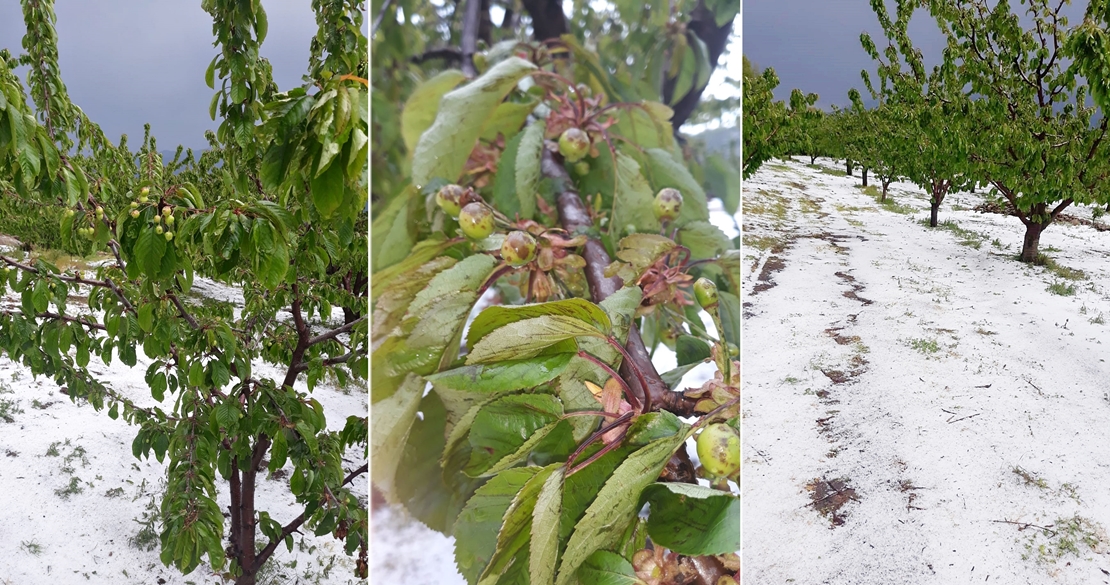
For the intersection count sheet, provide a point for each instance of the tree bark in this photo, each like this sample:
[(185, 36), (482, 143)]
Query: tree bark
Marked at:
[(548, 19), (1029, 247), (848, 164), (813, 160), (573, 215), (469, 41), (864, 176), (703, 23), (934, 207)]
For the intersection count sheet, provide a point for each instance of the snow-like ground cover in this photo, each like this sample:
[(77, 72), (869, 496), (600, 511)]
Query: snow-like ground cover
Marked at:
[(919, 406), (406, 552), (75, 504)]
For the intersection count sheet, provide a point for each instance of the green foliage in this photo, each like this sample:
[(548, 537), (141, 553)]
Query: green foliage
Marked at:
[(275, 207), (507, 450)]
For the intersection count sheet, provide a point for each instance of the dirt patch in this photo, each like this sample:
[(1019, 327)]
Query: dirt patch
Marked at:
[(829, 496), (856, 288), (906, 487), (770, 267), (834, 332), (843, 377)]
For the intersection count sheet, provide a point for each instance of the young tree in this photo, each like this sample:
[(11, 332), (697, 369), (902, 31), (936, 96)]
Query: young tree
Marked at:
[(1031, 132), (931, 111), (546, 428), (771, 128), (275, 207)]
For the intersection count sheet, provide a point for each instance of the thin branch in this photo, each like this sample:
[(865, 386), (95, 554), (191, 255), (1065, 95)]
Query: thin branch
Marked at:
[(469, 41), (335, 332)]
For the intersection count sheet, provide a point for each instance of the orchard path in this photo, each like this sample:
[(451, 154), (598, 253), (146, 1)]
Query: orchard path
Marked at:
[(918, 406)]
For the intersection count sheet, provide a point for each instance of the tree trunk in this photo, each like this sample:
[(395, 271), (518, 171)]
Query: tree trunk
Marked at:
[(813, 160), (848, 163), (886, 183), (864, 176), (1032, 241), (934, 207)]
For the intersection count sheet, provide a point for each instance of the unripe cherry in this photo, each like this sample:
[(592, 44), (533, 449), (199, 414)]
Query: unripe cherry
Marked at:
[(581, 168), (574, 144), (135, 213), (166, 211), (169, 220), (169, 236), (705, 291), (667, 205), (476, 221), (134, 204), (719, 450), (519, 248), (157, 219), (158, 229), (448, 199)]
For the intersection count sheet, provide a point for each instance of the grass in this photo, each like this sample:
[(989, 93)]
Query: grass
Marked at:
[(1062, 288), (31, 547), (763, 242), (114, 492), (9, 407), (770, 203), (1059, 269), (828, 171), (965, 237), (1065, 537), (1030, 478), (146, 538), (809, 205), (74, 487), (926, 346)]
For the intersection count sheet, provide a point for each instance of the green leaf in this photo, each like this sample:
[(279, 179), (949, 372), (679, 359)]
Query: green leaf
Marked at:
[(632, 200), (647, 126), (653, 426), (516, 529), (528, 338), (729, 308), (327, 190), (499, 316), (607, 568), (505, 198), (723, 180), (146, 317), (149, 248), (665, 171), (615, 505), (503, 376), (544, 550), (507, 119), (443, 149), (704, 240), (674, 377), (433, 495), (420, 109), (621, 308), (504, 425), (480, 521), (692, 519), (691, 350), (390, 422), (528, 168)]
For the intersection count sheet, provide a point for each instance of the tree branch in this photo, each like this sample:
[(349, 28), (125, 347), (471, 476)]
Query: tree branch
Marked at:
[(335, 332), (548, 19), (469, 42), (299, 520), (704, 24), (574, 216)]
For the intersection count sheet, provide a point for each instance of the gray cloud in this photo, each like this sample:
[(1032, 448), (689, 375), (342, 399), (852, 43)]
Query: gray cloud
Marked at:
[(128, 62), (813, 45)]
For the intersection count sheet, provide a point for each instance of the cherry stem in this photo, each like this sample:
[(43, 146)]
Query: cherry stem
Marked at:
[(594, 437), (590, 413), (493, 278), (632, 399), (639, 374), (712, 413)]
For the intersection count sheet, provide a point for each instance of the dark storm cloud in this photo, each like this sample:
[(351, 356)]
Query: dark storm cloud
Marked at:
[(813, 45), (127, 62)]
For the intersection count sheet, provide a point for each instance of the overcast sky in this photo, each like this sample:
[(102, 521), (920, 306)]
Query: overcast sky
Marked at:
[(813, 45), (127, 62)]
